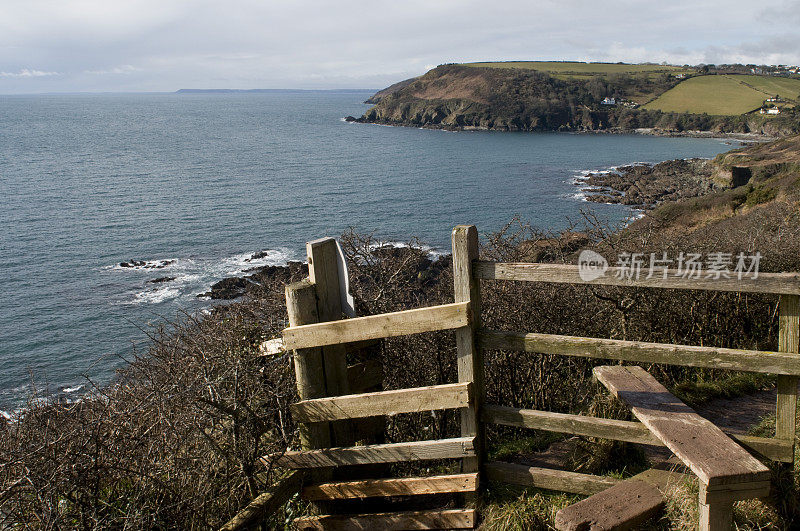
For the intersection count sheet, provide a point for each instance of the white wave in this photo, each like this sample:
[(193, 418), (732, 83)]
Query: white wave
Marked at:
[(188, 277), (72, 389), (155, 295), (145, 265), (580, 196), (5, 414)]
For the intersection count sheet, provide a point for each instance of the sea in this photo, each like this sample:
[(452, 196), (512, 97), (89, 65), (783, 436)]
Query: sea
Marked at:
[(100, 194)]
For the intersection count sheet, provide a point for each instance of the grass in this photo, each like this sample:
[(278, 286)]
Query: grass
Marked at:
[(728, 95), (583, 69)]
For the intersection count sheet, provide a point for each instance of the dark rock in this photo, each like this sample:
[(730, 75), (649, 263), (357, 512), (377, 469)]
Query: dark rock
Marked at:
[(350, 118), (257, 256), (228, 288), (159, 280)]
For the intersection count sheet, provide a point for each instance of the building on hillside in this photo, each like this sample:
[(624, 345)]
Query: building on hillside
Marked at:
[(608, 101), (771, 110), (680, 76)]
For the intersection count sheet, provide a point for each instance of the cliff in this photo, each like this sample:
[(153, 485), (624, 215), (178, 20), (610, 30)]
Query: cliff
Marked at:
[(464, 97)]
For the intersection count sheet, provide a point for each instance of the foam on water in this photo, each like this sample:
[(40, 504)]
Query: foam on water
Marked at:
[(189, 277)]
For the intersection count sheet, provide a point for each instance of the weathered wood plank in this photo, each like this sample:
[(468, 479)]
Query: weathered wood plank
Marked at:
[(431, 519), (626, 505), (617, 430), (710, 454), (264, 505), (643, 352), (434, 397), (777, 283), (789, 342), (371, 488), (301, 306), (444, 317), (469, 360), (546, 478), (377, 453)]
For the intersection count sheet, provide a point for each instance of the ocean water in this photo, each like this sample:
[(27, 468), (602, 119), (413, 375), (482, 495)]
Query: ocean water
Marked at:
[(194, 185)]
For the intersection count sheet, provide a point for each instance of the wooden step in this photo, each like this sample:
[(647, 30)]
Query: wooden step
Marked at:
[(626, 505), (371, 488), (434, 397), (434, 519), (376, 453), (713, 456)]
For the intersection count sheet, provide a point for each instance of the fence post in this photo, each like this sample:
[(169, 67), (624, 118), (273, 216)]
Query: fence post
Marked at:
[(301, 305), (470, 357), (323, 272), (788, 341)]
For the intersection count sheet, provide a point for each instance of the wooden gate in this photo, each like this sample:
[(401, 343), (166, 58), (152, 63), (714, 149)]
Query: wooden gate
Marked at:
[(334, 407)]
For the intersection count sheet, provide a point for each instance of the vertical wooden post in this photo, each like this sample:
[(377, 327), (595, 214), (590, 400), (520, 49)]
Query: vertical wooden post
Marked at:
[(788, 341), (715, 517), (470, 357), (301, 305), (323, 271)]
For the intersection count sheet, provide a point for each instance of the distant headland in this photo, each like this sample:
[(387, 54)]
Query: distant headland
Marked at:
[(595, 97)]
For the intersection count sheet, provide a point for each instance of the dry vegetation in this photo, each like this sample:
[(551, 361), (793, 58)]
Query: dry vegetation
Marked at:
[(175, 441)]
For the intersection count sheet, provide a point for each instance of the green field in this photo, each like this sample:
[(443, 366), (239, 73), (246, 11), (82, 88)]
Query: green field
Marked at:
[(583, 69), (724, 95)]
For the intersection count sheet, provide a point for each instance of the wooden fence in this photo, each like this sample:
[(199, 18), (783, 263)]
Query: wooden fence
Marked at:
[(336, 410)]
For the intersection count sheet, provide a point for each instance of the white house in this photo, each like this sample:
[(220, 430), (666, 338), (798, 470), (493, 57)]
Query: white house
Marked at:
[(771, 110), (608, 101)]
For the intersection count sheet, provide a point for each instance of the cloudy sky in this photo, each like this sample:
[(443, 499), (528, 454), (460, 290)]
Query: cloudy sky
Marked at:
[(164, 45)]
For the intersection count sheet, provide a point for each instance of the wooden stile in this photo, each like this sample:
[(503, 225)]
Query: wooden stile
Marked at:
[(377, 453), (644, 352), (709, 453), (777, 283), (466, 289), (435, 397), (431, 319), (432, 519), (371, 488)]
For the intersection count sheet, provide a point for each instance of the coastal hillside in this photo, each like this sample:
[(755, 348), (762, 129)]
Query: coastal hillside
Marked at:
[(554, 96)]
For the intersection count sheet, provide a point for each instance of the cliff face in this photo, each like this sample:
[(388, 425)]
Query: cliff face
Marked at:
[(465, 97)]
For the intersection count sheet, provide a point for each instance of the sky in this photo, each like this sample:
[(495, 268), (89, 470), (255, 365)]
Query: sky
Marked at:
[(165, 45)]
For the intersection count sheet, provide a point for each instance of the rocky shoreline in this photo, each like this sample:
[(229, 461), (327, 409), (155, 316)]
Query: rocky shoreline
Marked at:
[(645, 186), (744, 138)]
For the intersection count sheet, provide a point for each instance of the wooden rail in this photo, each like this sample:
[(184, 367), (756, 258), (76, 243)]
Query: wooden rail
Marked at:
[(643, 352), (445, 317), (434, 397), (377, 453), (777, 283)]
